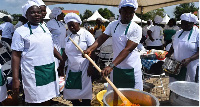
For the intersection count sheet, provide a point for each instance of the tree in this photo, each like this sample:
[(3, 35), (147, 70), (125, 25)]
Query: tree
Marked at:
[(16, 16), (184, 8), (86, 14), (150, 15), (106, 13)]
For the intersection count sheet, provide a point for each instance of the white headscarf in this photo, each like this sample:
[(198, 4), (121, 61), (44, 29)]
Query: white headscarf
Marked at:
[(72, 17), (130, 3), (39, 2), (189, 17), (27, 6), (56, 11), (158, 19)]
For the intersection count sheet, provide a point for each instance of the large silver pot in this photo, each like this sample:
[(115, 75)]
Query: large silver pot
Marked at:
[(135, 96), (184, 93)]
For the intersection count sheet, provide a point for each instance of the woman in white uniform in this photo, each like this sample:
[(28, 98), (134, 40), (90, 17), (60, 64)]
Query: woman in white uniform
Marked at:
[(78, 83), (126, 35), (3, 89), (58, 30), (34, 52), (185, 48), (155, 35)]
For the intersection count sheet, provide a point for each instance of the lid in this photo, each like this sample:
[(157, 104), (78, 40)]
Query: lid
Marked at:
[(186, 89)]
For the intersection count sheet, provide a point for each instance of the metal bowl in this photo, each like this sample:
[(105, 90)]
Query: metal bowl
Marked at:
[(135, 96)]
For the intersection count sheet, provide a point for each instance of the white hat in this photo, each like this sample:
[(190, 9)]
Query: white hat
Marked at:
[(130, 3), (27, 6), (189, 17), (51, 16), (72, 17), (56, 11), (39, 2), (158, 19)]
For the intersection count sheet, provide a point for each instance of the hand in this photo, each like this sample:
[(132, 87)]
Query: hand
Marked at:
[(106, 71), (151, 39), (88, 52), (90, 71), (15, 85), (186, 61), (61, 70)]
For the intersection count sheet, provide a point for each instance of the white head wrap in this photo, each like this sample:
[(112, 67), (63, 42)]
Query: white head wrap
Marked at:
[(158, 19), (39, 2), (130, 3), (27, 6), (189, 17), (56, 11), (72, 17), (51, 16)]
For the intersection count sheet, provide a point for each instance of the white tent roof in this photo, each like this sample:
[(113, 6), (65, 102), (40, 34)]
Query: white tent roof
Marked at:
[(144, 5), (95, 16), (137, 19), (2, 15), (165, 19)]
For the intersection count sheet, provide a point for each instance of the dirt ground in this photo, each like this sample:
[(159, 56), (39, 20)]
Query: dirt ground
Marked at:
[(156, 91)]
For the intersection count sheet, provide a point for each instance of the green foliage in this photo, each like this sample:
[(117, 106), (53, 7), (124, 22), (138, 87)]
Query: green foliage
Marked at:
[(150, 15), (4, 11), (106, 13), (184, 8), (16, 16), (86, 14)]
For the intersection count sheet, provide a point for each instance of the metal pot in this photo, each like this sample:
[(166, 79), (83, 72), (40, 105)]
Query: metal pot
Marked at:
[(184, 93), (135, 96)]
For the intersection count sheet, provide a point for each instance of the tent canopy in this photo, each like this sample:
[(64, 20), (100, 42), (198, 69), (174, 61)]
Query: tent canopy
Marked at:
[(95, 16), (137, 19), (165, 19), (145, 5), (2, 15)]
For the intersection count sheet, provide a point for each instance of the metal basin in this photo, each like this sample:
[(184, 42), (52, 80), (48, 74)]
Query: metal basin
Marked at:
[(184, 93), (135, 96)]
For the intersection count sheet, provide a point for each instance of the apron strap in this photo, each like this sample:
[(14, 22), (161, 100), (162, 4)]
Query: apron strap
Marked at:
[(127, 28), (31, 32), (58, 23), (116, 27), (188, 36)]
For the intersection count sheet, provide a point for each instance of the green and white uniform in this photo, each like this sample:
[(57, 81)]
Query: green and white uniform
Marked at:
[(37, 62), (3, 89)]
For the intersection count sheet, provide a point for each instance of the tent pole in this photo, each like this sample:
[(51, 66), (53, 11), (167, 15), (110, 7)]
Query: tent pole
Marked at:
[(141, 15)]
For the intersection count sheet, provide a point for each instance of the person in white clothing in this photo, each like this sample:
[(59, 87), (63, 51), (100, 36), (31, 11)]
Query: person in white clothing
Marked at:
[(33, 52), (155, 35), (3, 89), (169, 30), (78, 83), (145, 29), (43, 9), (185, 49), (6, 30), (22, 20), (126, 66)]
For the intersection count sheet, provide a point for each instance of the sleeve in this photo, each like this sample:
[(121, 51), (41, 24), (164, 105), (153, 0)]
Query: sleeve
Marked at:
[(17, 42), (198, 40), (90, 39), (12, 28), (152, 28), (136, 35), (108, 29)]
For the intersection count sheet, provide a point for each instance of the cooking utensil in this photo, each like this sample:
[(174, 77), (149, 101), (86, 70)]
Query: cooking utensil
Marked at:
[(138, 97), (184, 93), (123, 98)]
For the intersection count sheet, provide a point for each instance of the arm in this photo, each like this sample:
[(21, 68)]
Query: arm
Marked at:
[(62, 64), (57, 54), (1, 32), (186, 61), (149, 32), (15, 64), (170, 52), (130, 46), (90, 70)]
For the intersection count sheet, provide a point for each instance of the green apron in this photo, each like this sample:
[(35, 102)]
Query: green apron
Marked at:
[(123, 78), (2, 80), (181, 76), (168, 34), (74, 80), (45, 74)]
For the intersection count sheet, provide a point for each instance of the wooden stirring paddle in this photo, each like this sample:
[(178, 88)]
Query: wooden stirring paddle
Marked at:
[(122, 97)]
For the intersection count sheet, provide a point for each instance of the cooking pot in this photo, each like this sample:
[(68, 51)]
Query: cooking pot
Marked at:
[(135, 96), (184, 93)]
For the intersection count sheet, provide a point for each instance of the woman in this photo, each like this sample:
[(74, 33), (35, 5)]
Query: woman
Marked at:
[(126, 35), (34, 52), (43, 9), (57, 29), (99, 28), (169, 30), (6, 30), (185, 49), (78, 83), (155, 35), (3, 89)]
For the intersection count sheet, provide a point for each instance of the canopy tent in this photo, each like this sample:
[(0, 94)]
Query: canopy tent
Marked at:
[(95, 16), (137, 19), (2, 15), (165, 19), (144, 5)]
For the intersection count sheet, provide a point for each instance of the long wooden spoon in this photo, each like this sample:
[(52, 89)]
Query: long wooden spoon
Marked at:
[(123, 98)]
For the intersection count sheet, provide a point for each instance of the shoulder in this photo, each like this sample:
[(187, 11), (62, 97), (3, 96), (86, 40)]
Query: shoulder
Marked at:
[(115, 22), (52, 21), (23, 30), (84, 31)]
